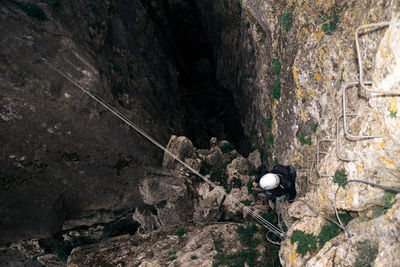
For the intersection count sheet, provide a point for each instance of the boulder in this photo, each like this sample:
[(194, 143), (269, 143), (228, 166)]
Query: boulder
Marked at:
[(209, 208), (181, 147)]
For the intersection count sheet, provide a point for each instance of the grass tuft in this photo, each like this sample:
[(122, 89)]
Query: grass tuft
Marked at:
[(181, 232), (305, 139), (340, 177), (306, 242), (276, 89), (367, 253), (286, 21), (390, 199)]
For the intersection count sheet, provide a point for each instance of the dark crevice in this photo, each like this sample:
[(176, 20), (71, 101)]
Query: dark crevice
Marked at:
[(209, 110)]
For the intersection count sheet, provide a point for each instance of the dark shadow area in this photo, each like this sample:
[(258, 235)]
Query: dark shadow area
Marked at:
[(209, 110)]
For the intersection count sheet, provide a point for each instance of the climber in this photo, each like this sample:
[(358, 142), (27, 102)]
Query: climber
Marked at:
[(280, 181)]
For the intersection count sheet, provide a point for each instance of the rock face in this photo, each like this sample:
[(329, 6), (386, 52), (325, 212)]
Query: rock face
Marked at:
[(181, 68)]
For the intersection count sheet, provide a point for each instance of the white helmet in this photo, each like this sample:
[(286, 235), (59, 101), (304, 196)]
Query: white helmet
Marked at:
[(269, 181)]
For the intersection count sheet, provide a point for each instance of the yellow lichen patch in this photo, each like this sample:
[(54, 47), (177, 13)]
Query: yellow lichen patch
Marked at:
[(360, 168), (388, 37), (382, 144), (393, 107), (295, 75), (322, 52), (387, 161), (292, 257), (317, 76), (299, 92), (303, 114)]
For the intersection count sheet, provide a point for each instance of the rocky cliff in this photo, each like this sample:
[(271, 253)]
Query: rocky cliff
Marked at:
[(269, 76)]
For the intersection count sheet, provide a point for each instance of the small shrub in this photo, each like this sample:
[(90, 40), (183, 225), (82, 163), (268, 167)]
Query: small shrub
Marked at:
[(181, 232), (340, 177), (276, 89), (193, 257), (236, 183), (270, 217), (330, 21), (246, 235), (173, 258), (393, 114), (276, 67), (306, 242), (275, 161), (366, 254), (33, 10), (286, 21), (305, 139), (227, 147), (390, 199), (220, 177)]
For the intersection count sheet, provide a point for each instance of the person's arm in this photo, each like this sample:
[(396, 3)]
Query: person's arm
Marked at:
[(292, 192)]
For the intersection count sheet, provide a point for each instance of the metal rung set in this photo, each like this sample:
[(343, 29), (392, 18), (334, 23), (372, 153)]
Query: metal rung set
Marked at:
[(368, 87)]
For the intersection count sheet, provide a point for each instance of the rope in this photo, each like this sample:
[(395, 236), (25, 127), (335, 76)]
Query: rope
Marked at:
[(358, 181), (272, 228)]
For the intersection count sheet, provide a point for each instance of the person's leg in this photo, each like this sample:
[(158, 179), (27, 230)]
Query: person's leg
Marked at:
[(292, 172)]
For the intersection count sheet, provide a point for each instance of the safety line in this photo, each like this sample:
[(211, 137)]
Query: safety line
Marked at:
[(278, 232), (358, 181)]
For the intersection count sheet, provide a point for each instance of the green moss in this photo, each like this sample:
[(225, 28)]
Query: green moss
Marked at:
[(327, 233), (367, 253), (276, 89), (264, 155), (247, 202), (246, 235), (340, 177), (248, 25), (220, 177), (239, 8), (227, 147), (286, 21), (161, 204), (173, 258), (305, 242), (181, 232), (270, 217), (393, 114), (314, 128), (267, 122), (330, 21), (236, 183), (193, 257), (270, 141), (276, 67), (305, 139), (390, 199), (33, 10)]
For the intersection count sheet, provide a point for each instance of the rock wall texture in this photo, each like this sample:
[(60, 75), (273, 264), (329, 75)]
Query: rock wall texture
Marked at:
[(80, 188)]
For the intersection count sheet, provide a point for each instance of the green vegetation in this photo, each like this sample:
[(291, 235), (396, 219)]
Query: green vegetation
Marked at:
[(276, 67), (161, 204), (248, 25), (236, 183), (330, 20), (181, 232), (173, 258), (240, 258), (220, 177), (286, 20), (275, 161), (227, 147), (276, 89), (306, 242), (267, 122), (314, 128), (390, 199), (305, 139), (193, 257), (239, 8), (270, 141), (33, 10), (367, 253), (393, 114), (247, 202), (157, 174), (264, 155), (340, 177)]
